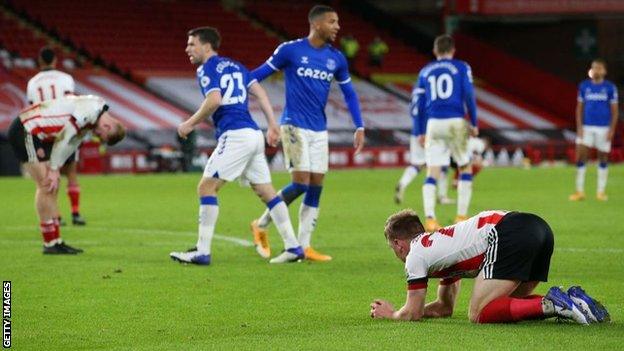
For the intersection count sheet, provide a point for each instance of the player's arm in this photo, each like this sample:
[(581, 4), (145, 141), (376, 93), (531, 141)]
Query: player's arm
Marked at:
[(470, 101), (580, 106), (276, 62), (353, 104), (273, 132), (615, 111), (419, 99), (66, 143), (443, 306), (210, 104), (413, 309)]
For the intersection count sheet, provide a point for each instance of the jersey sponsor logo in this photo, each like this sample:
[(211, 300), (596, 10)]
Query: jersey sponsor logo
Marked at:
[(204, 81), (315, 74), (596, 96), (331, 64)]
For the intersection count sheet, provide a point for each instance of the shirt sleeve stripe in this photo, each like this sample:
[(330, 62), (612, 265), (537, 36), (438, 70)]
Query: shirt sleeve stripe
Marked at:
[(252, 81), (345, 81), (271, 65)]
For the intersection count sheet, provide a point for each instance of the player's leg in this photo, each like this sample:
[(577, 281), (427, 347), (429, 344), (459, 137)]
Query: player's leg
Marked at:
[(442, 186), (582, 151), (417, 160), (70, 170), (603, 145), (437, 155), (309, 210), (295, 149), (461, 155), (429, 197)]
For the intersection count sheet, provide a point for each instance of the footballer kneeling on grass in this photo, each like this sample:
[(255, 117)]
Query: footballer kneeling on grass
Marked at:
[(508, 254)]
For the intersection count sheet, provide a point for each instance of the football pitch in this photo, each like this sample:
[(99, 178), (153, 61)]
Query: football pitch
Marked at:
[(124, 293)]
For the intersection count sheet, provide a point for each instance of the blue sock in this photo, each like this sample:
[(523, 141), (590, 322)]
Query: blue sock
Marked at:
[(430, 180), (313, 196), (292, 191)]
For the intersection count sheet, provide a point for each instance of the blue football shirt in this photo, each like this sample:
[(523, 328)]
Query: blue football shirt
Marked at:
[(308, 73), (596, 99), (232, 79)]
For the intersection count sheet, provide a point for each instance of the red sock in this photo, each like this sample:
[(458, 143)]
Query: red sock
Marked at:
[(49, 231), (508, 309), (73, 191)]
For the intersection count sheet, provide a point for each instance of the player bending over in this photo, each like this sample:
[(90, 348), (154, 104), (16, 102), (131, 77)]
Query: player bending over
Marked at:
[(226, 83), (43, 137), (49, 84), (310, 65), (508, 254), (596, 118)]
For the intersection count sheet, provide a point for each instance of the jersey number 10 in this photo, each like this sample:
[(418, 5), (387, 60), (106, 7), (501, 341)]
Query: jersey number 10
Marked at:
[(441, 86), (229, 82)]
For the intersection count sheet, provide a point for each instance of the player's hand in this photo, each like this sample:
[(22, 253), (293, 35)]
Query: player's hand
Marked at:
[(381, 309), (610, 134), (52, 179), (184, 129), (358, 140), (421, 140), (273, 135), (474, 131)]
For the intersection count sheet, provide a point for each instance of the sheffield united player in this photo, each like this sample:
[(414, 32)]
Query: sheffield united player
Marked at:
[(508, 254), (43, 136), (49, 84)]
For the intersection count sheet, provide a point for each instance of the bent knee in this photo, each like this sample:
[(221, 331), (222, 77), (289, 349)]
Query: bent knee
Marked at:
[(473, 315)]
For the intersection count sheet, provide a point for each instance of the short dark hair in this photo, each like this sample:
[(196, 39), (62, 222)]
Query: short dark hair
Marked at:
[(47, 55), (207, 35), (318, 10), (443, 44), (600, 61), (404, 224)]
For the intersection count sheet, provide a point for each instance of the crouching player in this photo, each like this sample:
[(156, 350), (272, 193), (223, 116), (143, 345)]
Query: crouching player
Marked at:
[(508, 253), (43, 137), (225, 83)]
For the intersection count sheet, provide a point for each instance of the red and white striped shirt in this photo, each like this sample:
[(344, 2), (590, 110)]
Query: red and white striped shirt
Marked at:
[(451, 252), (45, 120), (48, 85)]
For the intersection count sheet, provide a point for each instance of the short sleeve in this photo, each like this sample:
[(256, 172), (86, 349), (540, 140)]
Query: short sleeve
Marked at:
[(87, 111), (208, 79), (71, 86), (416, 271), (30, 93), (279, 59), (342, 73), (249, 80), (613, 94), (581, 96)]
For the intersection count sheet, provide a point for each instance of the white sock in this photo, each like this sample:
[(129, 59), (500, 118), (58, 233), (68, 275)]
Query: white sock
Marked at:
[(264, 220), (464, 193), (603, 172), (408, 176), (580, 179), (307, 222), (207, 219), (279, 214), (442, 186), (429, 197)]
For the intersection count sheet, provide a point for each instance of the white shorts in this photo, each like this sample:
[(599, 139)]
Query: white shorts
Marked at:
[(239, 153), (595, 137), (447, 138), (417, 152), (305, 150)]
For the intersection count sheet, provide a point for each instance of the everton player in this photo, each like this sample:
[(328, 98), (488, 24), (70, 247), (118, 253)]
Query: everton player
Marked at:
[(226, 85), (596, 118), (445, 91), (43, 137), (310, 64), (508, 254)]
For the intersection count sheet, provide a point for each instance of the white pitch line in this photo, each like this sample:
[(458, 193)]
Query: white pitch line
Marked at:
[(585, 249), (142, 231)]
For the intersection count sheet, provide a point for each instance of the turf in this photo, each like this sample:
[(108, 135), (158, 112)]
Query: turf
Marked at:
[(125, 293)]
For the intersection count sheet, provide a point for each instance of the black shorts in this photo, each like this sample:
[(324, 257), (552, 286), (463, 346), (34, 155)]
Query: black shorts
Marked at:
[(26, 147), (519, 248)]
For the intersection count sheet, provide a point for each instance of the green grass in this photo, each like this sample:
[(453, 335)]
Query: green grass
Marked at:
[(125, 293)]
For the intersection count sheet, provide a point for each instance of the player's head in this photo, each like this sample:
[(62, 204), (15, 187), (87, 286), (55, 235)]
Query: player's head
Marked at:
[(47, 57), (443, 46), (598, 69), (400, 229), (109, 129), (324, 22), (202, 43)]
